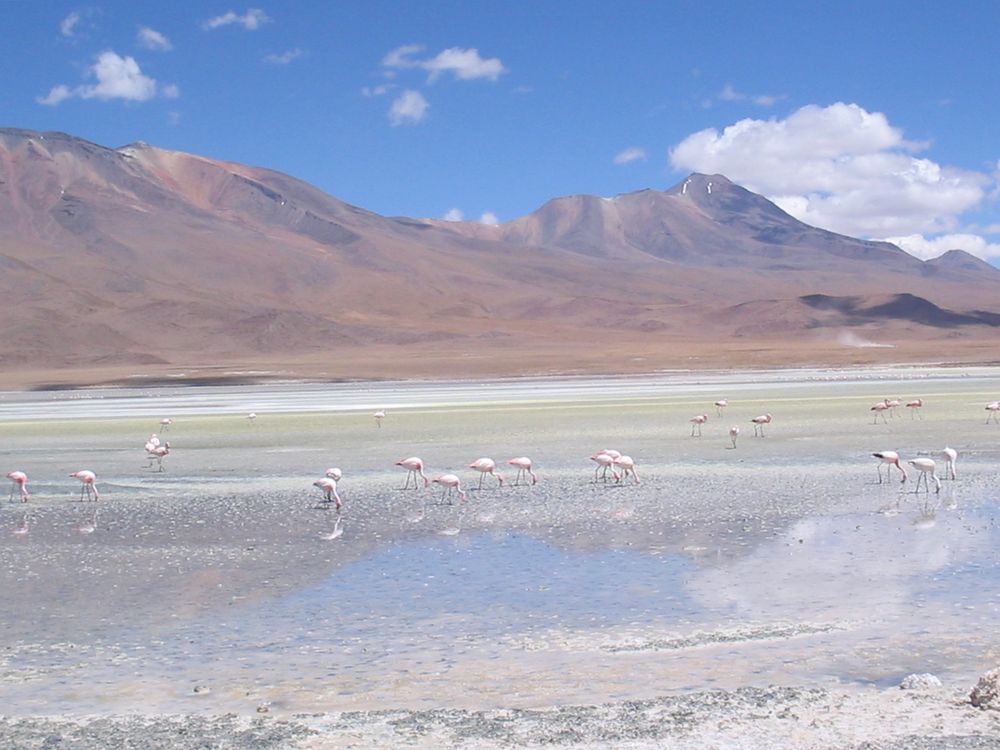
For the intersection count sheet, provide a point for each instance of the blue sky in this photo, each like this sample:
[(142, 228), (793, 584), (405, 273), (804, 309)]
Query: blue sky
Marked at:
[(872, 119)]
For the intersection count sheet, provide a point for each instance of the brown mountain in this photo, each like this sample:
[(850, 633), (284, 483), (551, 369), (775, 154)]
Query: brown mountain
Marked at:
[(141, 260)]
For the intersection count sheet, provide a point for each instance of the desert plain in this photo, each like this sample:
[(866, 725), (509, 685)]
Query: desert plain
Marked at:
[(774, 594)]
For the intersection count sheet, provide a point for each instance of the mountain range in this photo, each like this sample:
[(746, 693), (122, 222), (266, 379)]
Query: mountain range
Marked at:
[(155, 263)]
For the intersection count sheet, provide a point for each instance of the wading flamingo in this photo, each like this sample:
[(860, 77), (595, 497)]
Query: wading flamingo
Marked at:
[(880, 409), (415, 467), (734, 432), (891, 458), (159, 453), (329, 488), (451, 484), (950, 456), (165, 424), (486, 466), (720, 405), (993, 410), (604, 461), (252, 417), (892, 404), (88, 478), (915, 406), (696, 423), (334, 473), (379, 416), (18, 479), (926, 467), (523, 464), (759, 422), (627, 466)]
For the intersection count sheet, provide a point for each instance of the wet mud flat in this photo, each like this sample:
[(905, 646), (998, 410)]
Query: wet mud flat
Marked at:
[(575, 611)]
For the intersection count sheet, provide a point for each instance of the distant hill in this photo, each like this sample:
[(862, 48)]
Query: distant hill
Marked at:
[(139, 259)]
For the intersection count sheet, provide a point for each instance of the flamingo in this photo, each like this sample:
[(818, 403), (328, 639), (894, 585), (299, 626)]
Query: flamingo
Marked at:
[(604, 460), (523, 464), (89, 488), (334, 473), (451, 483), (414, 466), (696, 423), (734, 432), (486, 466), (880, 409), (159, 453), (379, 416), (329, 487), (720, 405), (759, 422), (18, 479), (891, 458), (252, 416), (915, 406), (165, 424), (926, 466), (892, 404), (993, 409), (628, 467), (950, 456)]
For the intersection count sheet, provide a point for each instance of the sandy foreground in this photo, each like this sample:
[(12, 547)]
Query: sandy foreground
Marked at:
[(771, 595)]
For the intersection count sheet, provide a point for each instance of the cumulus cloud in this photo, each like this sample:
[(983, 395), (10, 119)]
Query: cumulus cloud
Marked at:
[(252, 20), (69, 23), (630, 155), (489, 219), (464, 64), (154, 40), (117, 78), (409, 107), (283, 58), (841, 168), (454, 214)]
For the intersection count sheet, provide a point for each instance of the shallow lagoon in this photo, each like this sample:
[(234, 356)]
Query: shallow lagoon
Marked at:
[(214, 586)]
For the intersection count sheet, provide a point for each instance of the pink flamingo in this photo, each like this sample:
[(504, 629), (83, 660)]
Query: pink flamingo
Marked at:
[(926, 467), (915, 406), (486, 466), (604, 460), (165, 424), (891, 458), (414, 466), (18, 479), (379, 416), (720, 405), (892, 404), (880, 409), (696, 423), (89, 488), (628, 467), (334, 473), (451, 484), (734, 432), (993, 409), (950, 455), (159, 453), (523, 464), (759, 422), (329, 487)]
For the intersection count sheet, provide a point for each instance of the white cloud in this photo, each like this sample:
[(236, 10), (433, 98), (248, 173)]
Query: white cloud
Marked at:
[(284, 58), (630, 155), (454, 214), (409, 107), (489, 218), (379, 90), (923, 247), (464, 64), (69, 23), (730, 94), (252, 20), (838, 167), (117, 78), (154, 40)]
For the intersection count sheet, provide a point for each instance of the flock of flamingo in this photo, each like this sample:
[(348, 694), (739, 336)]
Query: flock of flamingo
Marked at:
[(620, 466)]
